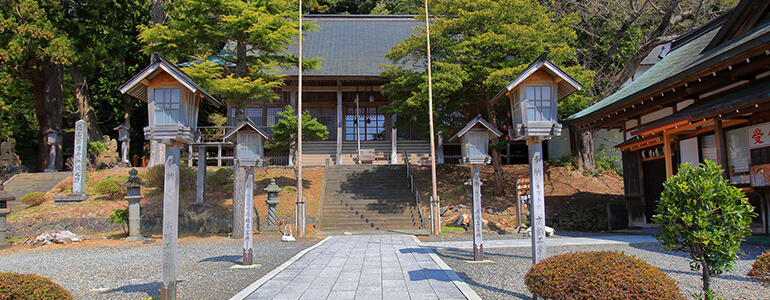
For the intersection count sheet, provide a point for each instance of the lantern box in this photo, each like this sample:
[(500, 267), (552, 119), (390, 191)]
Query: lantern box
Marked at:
[(122, 132), (52, 136), (172, 101), (533, 99), (474, 138), (249, 143)]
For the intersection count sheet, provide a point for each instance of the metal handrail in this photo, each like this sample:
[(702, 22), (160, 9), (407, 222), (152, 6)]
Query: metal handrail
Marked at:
[(415, 190)]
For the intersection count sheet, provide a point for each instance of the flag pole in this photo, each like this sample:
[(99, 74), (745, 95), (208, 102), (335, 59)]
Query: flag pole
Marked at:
[(434, 200)]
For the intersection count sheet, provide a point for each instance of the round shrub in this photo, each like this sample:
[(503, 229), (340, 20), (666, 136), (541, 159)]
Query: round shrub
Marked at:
[(599, 275), (30, 286), (110, 188), (33, 199), (760, 269)]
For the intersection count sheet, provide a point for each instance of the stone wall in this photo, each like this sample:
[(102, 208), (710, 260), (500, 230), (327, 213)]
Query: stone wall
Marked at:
[(189, 223)]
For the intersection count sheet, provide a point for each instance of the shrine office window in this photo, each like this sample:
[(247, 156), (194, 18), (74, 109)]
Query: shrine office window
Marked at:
[(167, 103), (540, 106)]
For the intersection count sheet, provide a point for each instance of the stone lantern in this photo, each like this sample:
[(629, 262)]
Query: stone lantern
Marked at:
[(173, 101), (4, 211), (474, 139), (533, 98), (133, 187), (272, 201), (53, 139), (124, 138), (249, 148)]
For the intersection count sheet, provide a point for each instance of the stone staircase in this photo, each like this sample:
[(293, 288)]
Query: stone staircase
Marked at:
[(31, 182), (368, 197)]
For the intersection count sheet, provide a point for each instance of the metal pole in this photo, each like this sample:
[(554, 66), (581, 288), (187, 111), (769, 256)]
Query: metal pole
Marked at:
[(478, 246), (300, 210), (537, 201), (434, 214), (169, 250), (248, 208)]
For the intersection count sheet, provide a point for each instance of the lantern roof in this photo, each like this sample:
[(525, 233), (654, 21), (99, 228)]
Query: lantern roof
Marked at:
[(478, 120), (244, 126), (566, 85), (122, 126), (5, 196), (137, 86)]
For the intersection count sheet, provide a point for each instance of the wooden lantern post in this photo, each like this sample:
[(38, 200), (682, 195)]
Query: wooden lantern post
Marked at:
[(249, 148), (172, 102), (533, 99), (475, 148)]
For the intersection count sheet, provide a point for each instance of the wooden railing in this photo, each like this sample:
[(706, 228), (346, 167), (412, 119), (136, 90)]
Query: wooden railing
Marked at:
[(415, 189)]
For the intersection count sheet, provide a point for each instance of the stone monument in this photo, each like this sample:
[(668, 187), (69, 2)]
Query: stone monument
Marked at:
[(272, 201), (110, 156), (4, 211), (79, 161), (133, 187), (8, 157)]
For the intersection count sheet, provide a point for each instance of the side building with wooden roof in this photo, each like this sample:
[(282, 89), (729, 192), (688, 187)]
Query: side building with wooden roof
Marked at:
[(707, 99)]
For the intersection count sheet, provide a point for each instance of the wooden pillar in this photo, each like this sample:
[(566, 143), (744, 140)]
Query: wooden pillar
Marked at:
[(719, 134), (248, 204), (667, 154), (200, 188), (537, 199), (169, 251), (340, 120), (189, 155), (219, 155), (393, 140), (478, 246)]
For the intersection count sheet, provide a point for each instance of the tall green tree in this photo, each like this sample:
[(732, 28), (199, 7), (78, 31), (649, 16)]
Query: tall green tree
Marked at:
[(34, 50), (285, 131), (615, 36), (477, 48)]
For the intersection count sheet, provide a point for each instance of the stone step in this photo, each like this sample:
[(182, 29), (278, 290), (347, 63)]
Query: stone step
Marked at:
[(369, 226), (348, 211)]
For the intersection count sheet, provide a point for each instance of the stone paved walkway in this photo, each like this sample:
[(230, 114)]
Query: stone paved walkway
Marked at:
[(550, 241), (362, 267)]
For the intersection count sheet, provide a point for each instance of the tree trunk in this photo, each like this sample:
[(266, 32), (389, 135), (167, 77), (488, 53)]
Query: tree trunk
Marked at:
[(47, 95), (158, 14), (498, 165), (583, 147), (706, 272), (85, 109)]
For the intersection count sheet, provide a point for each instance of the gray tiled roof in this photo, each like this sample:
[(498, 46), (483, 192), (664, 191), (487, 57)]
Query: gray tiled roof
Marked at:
[(677, 65), (353, 45)]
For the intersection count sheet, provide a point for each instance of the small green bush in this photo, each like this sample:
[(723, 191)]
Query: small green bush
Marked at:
[(760, 269), (33, 199), (599, 275), (96, 148), (30, 287), (110, 188), (120, 216), (218, 180), (155, 177)]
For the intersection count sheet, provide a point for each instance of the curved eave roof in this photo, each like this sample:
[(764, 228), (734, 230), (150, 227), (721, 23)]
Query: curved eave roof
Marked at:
[(566, 86), (137, 89)]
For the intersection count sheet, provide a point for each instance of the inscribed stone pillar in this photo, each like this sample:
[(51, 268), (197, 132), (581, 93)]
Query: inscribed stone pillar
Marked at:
[(169, 250), (200, 192), (478, 246), (79, 159), (238, 179), (537, 206), (248, 204)]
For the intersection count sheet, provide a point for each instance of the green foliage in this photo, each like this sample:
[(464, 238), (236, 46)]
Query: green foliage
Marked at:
[(217, 181), (702, 214), (217, 119), (599, 275), (33, 199), (451, 229), (120, 216), (110, 188), (96, 148), (249, 37), (760, 269), (566, 160), (14, 286), (477, 47), (604, 161), (155, 177), (285, 131)]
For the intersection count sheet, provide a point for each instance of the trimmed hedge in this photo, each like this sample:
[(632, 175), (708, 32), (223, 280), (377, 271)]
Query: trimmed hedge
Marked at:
[(33, 199), (760, 269), (30, 287), (599, 275)]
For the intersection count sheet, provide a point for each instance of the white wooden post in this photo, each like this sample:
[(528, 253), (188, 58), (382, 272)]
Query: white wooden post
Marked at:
[(200, 192), (169, 250), (340, 132), (248, 207), (478, 247), (537, 206)]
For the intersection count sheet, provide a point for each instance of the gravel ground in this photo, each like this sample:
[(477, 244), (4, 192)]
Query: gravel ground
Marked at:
[(133, 272), (503, 278)]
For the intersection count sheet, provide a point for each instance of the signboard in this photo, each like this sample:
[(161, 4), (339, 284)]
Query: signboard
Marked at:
[(760, 175), (759, 135)]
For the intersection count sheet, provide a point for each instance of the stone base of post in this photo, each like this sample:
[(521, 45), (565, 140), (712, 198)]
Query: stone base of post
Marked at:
[(134, 219), (3, 212), (69, 199)]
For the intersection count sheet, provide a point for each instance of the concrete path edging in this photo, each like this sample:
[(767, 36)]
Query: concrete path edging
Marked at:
[(557, 241), (254, 286), (459, 282)]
